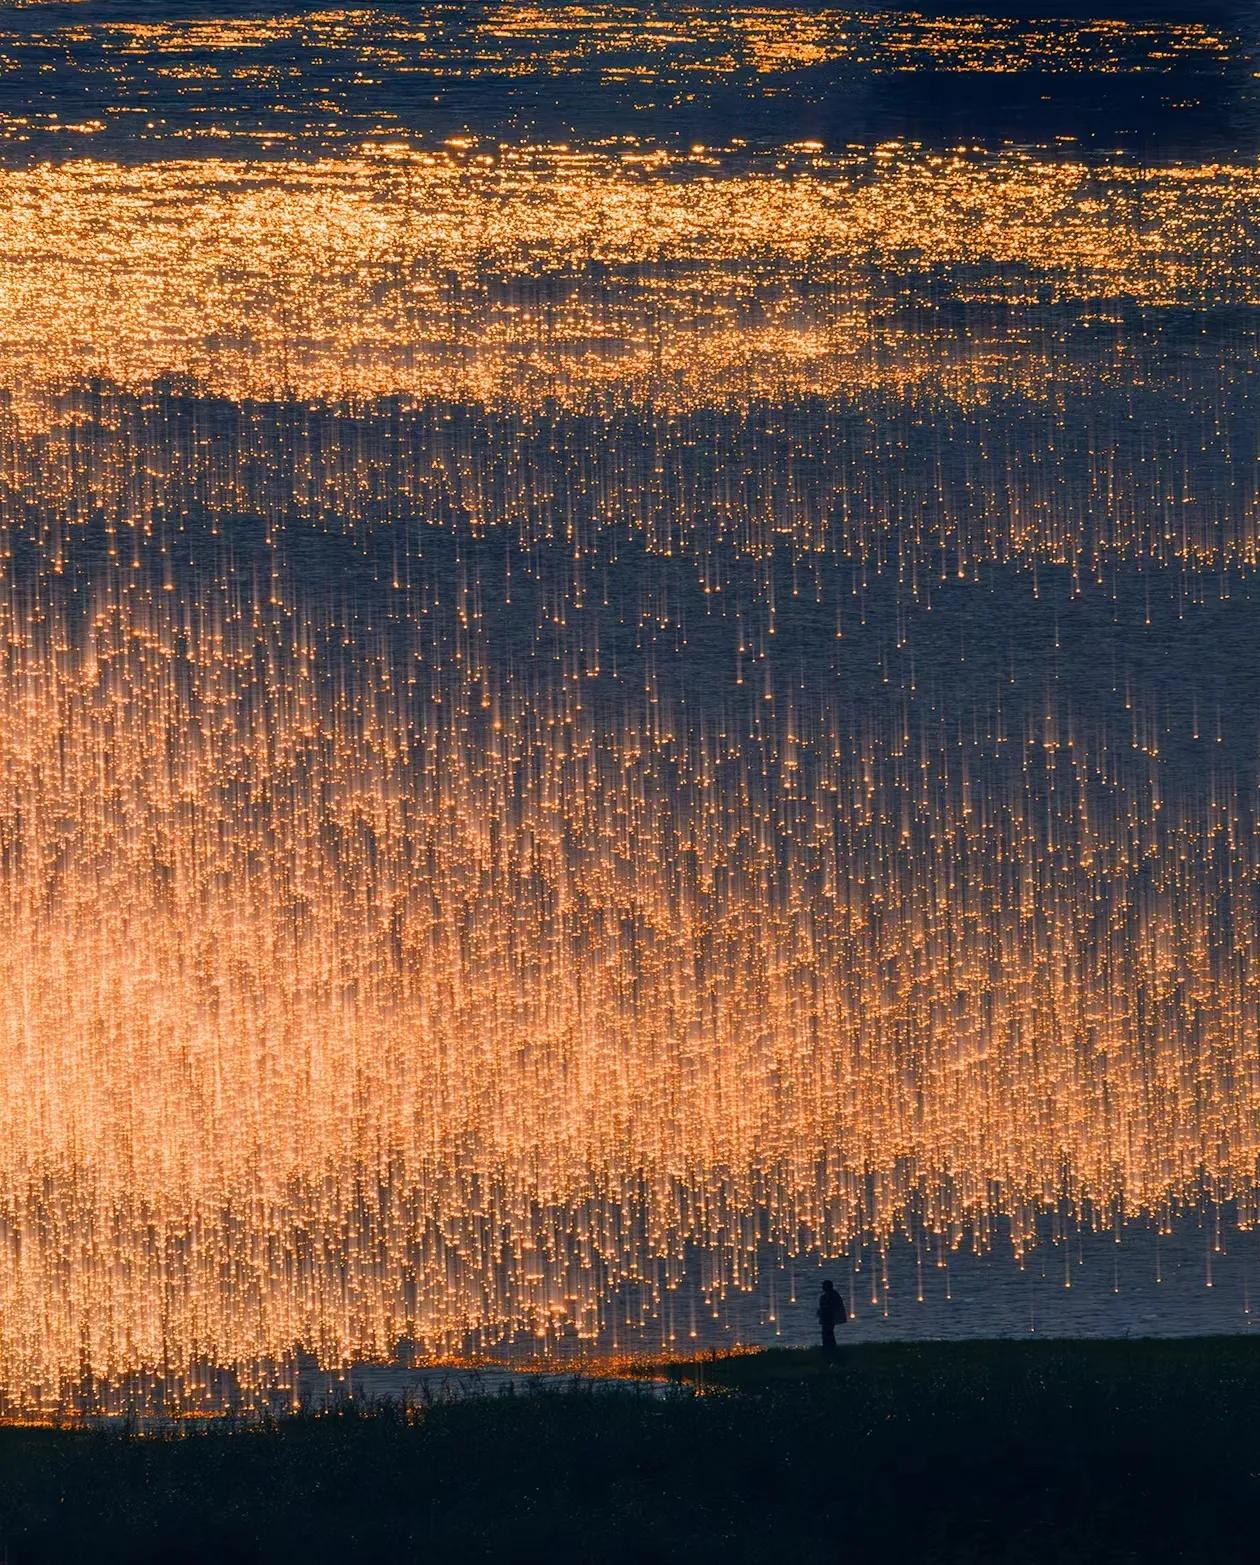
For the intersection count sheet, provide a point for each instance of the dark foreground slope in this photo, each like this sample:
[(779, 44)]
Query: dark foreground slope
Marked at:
[(1023, 1452)]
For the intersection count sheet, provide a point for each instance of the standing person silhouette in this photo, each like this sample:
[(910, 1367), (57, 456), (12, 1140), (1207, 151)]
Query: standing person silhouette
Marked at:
[(831, 1313)]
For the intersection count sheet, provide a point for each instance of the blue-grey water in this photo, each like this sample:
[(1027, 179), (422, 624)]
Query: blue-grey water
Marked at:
[(1031, 498), (1140, 1284)]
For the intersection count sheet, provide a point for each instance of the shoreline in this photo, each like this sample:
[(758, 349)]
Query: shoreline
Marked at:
[(1044, 1450)]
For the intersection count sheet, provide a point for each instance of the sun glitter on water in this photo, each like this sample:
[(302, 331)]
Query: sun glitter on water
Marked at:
[(583, 716), (346, 1008)]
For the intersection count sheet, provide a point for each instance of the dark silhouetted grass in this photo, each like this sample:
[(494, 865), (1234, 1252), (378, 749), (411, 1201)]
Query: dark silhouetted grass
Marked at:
[(986, 1452)]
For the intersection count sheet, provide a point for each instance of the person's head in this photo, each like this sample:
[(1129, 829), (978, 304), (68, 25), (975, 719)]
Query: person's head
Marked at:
[(827, 1286)]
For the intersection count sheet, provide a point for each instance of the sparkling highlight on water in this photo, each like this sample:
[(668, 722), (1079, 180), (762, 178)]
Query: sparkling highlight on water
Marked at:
[(350, 1001)]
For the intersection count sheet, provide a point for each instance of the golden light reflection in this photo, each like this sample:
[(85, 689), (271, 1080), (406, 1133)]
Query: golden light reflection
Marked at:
[(667, 44), (478, 333), (385, 273), (351, 998), (367, 982), (776, 39), (799, 484)]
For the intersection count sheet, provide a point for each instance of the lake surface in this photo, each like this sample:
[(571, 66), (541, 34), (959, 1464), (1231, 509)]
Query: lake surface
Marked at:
[(628, 659)]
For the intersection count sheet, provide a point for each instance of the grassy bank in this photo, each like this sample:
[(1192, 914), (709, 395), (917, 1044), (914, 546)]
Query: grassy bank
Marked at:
[(1025, 1452)]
